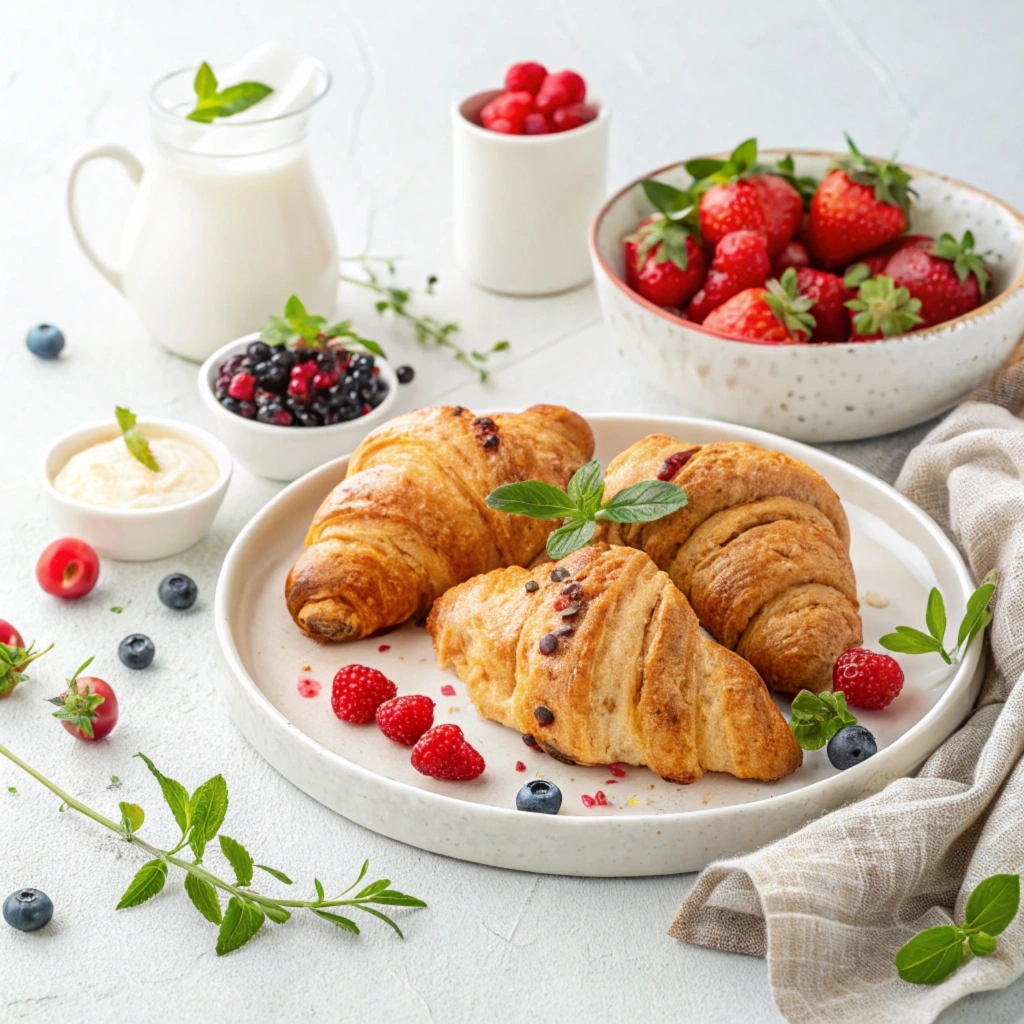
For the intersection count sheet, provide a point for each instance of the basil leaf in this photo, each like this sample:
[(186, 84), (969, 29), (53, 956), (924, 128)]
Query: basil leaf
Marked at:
[(242, 920), (643, 502), (993, 904), (148, 881), (982, 944), (533, 498), (570, 537), (279, 875), (204, 898), (208, 806), (132, 816), (336, 919), (932, 956), (666, 198), (175, 795), (977, 604), (935, 615), (238, 857), (135, 441), (587, 479)]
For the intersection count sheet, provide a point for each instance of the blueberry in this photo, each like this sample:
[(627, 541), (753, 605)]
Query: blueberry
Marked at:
[(540, 796), (136, 651), (405, 374), (177, 591), (850, 746), (326, 360), (259, 350), (247, 409), (283, 357), (304, 418), (27, 909), (45, 341), (232, 405)]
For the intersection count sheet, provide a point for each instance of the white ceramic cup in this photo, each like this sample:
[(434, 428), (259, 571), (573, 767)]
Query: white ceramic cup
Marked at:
[(523, 203), (135, 534)]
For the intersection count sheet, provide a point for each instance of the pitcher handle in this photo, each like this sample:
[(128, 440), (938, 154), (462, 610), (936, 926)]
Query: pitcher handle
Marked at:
[(97, 151)]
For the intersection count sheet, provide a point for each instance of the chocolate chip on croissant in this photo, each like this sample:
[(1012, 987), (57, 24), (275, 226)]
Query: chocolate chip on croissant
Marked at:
[(410, 520), (633, 680)]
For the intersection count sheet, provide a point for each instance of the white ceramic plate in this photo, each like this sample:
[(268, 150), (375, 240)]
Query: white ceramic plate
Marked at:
[(649, 826)]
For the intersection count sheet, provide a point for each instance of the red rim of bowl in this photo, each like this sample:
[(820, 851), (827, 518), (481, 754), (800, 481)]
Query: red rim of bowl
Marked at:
[(671, 318)]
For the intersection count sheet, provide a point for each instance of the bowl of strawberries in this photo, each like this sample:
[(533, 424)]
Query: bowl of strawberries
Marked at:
[(823, 296)]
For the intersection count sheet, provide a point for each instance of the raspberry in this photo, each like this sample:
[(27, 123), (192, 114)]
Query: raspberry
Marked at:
[(443, 753), (559, 90), (513, 105), (505, 126), (520, 767), (600, 799), (447, 690), (358, 691), (565, 118), (868, 680), (536, 124), (588, 801), (405, 719), (242, 386), (525, 77)]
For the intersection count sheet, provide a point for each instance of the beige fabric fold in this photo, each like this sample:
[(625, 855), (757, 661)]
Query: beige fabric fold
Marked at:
[(831, 904)]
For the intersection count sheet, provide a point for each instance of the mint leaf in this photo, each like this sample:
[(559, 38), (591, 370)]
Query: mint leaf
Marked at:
[(977, 606), (148, 881), (570, 537), (134, 439), (533, 498), (132, 816), (233, 100), (205, 82), (392, 898), (643, 502), (204, 897), (318, 885), (814, 720), (982, 944), (208, 805), (993, 904), (242, 920), (907, 640), (174, 793), (932, 956), (238, 857), (336, 919), (585, 481), (279, 875), (276, 914), (373, 888), (935, 615), (380, 917)]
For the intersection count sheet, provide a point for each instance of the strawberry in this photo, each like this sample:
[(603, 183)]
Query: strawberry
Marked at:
[(737, 196), (793, 254), (777, 313), (740, 261), (861, 205), (876, 260), (667, 261), (830, 294), (405, 719), (880, 309), (948, 277), (443, 753)]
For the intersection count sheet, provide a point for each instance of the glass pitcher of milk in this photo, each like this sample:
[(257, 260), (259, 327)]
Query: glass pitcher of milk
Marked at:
[(229, 219)]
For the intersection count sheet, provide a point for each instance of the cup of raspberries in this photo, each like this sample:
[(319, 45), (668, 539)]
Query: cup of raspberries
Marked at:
[(530, 173)]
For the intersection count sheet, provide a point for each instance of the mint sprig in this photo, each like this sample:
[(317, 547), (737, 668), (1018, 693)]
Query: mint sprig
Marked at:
[(816, 718), (297, 326), (135, 441), (580, 505), (933, 955), (211, 103), (13, 662), (199, 818), (907, 640)]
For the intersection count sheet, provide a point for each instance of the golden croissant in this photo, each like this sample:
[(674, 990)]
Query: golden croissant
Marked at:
[(410, 520), (604, 662), (761, 550)]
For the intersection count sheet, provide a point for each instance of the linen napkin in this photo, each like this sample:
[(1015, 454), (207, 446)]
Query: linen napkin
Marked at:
[(830, 904)]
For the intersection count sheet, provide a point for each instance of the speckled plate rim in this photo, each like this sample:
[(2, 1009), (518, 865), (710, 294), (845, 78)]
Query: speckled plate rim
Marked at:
[(249, 705)]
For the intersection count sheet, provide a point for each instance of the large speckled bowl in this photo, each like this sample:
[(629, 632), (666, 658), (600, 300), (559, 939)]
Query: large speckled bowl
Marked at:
[(824, 392)]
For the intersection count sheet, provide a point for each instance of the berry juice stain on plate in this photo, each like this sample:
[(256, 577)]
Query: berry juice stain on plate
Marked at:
[(308, 686)]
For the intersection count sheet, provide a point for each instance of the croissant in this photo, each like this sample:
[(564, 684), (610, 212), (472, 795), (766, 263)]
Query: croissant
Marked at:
[(761, 550), (605, 662), (409, 520)]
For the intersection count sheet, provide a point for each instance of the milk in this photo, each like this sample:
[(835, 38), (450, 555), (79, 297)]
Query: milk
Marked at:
[(229, 219)]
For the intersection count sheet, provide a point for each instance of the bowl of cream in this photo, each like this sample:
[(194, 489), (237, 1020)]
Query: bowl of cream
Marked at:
[(101, 492)]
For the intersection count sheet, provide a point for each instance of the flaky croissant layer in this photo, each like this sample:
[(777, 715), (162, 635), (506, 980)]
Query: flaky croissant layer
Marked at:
[(410, 520), (605, 662)]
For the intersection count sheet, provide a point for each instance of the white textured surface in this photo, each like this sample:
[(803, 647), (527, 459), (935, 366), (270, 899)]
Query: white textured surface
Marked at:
[(494, 946)]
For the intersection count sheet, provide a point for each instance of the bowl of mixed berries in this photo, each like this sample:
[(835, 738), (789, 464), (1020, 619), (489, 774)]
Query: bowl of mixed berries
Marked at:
[(824, 296), (298, 393)]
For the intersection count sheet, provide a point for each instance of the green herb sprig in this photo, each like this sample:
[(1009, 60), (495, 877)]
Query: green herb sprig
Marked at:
[(395, 300), (199, 818), (816, 718), (211, 103), (134, 439), (907, 640), (297, 326), (668, 236), (580, 505), (933, 955), (13, 662)]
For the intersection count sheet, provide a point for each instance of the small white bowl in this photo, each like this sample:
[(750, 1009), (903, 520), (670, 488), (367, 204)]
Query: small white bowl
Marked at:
[(822, 392), (523, 203), (135, 534), (286, 453)]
